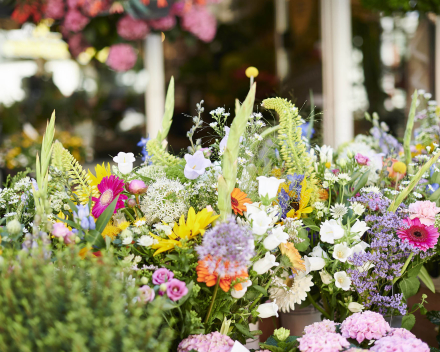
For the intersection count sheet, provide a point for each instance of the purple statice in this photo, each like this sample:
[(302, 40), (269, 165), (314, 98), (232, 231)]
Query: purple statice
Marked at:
[(399, 344), (286, 198), (387, 143), (227, 248), (366, 325), (374, 202), (326, 341), (213, 342)]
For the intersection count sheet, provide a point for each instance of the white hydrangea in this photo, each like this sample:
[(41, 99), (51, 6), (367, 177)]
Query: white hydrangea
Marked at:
[(165, 200)]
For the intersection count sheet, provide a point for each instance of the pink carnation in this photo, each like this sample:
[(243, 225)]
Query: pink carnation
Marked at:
[(200, 22), (213, 342), (321, 327), (403, 333), (54, 9), (75, 21), (328, 342), (163, 23), (121, 57), (132, 29), (399, 344), (424, 210), (367, 325)]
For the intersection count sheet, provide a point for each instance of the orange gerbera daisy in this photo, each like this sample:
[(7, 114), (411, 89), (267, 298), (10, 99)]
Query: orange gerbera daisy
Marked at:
[(238, 199), (210, 279)]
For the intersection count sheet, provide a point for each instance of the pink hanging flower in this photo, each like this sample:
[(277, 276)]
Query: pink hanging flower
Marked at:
[(418, 234), (200, 22), (110, 187), (75, 21), (54, 9), (362, 159), (121, 57), (176, 289), (163, 24), (425, 211), (132, 29)]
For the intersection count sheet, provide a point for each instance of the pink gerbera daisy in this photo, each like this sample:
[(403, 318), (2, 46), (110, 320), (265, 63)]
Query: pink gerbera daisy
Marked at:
[(418, 234), (110, 187)]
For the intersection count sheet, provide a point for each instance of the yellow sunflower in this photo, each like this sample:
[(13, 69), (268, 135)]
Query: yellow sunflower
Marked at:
[(303, 207), (101, 171), (195, 224)]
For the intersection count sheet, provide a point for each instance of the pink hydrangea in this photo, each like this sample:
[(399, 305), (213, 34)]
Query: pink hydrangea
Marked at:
[(327, 341), (213, 342), (399, 344), (355, 349), (367, 325), (121, 57), (424, 210), (77, 44), (200, 22), (403, 333), (163, 24), (75, 21), (321, 327), (54, 9), (132, 29)]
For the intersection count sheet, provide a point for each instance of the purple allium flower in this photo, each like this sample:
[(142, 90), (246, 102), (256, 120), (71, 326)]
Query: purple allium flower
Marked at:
[(321, 327), (329, 342), (161, 276), (137, 187), (176, 289), (146, 294), (366, 325), (362, 159), (121, 57), (213, 342), (227, 248), (399, 344)]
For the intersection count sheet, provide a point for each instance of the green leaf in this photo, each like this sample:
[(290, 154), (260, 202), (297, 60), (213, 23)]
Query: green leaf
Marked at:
[(436, 195), (260, 289), (95, 239), (361, 183), (409, 286), (408, 321), (72, 206), (426, 279), (169, 111), (105, 217), (302, 246), (108, 242), (414, 271), (244, 330), (68, 222), (434, 317)]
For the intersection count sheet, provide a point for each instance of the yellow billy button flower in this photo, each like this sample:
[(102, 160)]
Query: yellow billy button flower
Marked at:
[(195, 224), (399, 167), (251, 72)]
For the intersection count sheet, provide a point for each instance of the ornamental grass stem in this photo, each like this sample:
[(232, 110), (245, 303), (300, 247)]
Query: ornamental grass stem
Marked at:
[(213, 299)]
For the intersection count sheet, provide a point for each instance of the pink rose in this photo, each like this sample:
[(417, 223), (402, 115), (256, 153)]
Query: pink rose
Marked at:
[(146, 294), (425, 211), (161, 276), (176, 289), (362, 159)]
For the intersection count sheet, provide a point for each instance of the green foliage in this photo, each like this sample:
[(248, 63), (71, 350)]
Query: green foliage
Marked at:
[(273, 344), (391, 6), (175, 172), (75, 305)]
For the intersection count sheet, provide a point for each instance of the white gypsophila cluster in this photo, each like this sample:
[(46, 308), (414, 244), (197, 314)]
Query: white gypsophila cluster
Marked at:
[(165, 200), (56, 200), (8, 197), (154, 172), (23, 185), (286, 295), (247, 183)]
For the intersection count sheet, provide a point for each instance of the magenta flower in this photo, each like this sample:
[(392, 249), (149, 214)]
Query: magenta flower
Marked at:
[(176, 289), (132, 29), (425, 211), (195, 165), (121, 57), (137, 187), (367, 325), (213, 342), (362, 159), (146, 294), (59, 229), (163, 24), (75, 21), (110, 187), (161, 276), (418, 234)]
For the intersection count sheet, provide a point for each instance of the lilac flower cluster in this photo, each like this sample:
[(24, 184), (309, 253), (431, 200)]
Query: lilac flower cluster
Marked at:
[(213, 342), (227, 248), (367, 325), (327, 341), (387, 142), (285, 198), (321, 327), (399, 344), (372, 201)]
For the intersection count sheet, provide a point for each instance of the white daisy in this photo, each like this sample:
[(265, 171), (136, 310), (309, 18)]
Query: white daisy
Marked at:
[(338, 210)]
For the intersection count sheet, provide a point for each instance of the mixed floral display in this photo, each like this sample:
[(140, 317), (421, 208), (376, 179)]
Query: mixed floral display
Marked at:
[(259, 222)]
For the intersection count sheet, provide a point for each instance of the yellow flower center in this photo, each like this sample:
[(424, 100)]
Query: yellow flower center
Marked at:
[(106, 197)]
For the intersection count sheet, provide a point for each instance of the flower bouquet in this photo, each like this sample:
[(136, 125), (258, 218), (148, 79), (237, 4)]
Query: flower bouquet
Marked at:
[(257, 222)]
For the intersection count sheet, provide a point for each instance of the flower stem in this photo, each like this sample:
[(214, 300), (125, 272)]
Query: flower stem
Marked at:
[(213, 300), (129, 215), (323, 312), (404, 267)]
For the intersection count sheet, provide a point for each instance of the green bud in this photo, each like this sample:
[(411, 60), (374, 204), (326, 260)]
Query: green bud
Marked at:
[(61, 239), (163, 287), (144, 280), (77, 239), (281, 334), (13, 227)]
